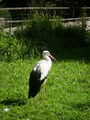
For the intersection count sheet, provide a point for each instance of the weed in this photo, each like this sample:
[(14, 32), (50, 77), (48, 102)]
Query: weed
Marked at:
[(10, 49)]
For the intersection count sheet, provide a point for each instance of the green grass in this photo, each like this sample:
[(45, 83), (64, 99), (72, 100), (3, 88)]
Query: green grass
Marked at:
[(67, 94)]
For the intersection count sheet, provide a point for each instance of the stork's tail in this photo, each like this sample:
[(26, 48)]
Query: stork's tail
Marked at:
[(33, 91)]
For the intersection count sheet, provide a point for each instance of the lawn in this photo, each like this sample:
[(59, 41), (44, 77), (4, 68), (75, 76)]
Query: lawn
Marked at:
[(67, 95)]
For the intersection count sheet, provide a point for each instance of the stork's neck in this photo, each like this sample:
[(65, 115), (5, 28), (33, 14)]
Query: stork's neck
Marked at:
[(49, 62), (47, 58)]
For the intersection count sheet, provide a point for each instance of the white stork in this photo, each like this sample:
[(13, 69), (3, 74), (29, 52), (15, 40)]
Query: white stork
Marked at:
[(39, 73)]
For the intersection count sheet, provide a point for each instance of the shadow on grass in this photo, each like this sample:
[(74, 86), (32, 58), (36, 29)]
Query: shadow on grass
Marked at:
[(82, 106), (13, 102)]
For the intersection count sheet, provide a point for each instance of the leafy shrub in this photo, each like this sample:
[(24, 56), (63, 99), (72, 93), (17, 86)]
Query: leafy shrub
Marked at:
[(42, 32), (72, 36), (10, 49), (88, 36), (39, 34)]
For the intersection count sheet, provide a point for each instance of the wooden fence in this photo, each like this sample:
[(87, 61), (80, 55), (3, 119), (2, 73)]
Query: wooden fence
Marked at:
[(4, 21)]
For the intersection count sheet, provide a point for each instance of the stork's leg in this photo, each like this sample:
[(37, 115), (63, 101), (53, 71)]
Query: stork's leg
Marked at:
[(43, 94)]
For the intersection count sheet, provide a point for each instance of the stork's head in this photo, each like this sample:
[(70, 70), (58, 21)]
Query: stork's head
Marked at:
[(46, 54)]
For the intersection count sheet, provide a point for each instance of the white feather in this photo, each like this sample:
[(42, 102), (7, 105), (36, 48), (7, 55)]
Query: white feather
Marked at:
[(44, 67)]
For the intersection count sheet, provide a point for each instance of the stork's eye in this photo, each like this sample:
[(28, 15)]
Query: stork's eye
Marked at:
[(47, 53)]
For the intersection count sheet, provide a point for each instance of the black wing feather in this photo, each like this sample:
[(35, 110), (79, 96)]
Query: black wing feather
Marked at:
[(35, 83)]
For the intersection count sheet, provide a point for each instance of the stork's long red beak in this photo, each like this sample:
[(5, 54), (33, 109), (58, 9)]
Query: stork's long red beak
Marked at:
[(52, 57)]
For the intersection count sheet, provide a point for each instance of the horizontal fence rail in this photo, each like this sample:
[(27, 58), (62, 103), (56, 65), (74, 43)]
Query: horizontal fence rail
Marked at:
[(85, 8), (36, 8), (40, 8), (67, 19)]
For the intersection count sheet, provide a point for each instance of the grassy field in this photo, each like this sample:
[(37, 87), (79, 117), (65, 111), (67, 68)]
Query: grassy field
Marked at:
[(67, 94)]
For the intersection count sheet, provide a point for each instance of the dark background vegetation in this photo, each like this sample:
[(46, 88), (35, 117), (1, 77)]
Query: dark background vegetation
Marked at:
[(59, 3), (71, 42), (23, 3)]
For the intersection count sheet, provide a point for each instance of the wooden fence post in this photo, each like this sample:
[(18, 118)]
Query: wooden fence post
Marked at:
[(83, 20)]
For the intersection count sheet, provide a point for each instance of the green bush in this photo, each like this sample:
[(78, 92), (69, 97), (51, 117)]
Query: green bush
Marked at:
[(88, 36), (39, 34), (72, 36), (10, 49), (42, 32)]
